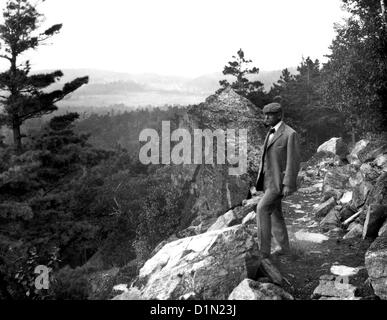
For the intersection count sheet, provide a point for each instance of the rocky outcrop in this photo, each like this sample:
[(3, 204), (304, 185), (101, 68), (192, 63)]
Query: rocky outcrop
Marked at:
[(207, 266), (252, 290), (210, 190), (359, 147)]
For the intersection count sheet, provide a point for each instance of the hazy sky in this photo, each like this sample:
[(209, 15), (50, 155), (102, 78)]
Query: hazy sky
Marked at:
[(184, 37)]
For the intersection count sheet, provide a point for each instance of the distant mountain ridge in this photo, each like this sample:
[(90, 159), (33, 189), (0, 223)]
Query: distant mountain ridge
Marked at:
[(107, 88)]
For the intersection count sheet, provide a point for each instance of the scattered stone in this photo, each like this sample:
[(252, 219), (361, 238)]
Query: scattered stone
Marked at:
[(376, 264), (304, 219), (331, 219), (131, 294), (315, 252), (344, 271), (323, 209), (353, 157), (299, 211), (121, 288), (355, 232), (346, 198), (313, 225), (310, 237), (376, 216), (318, 186), (334, 287), (338, 298), (254, 290), (188, 296)]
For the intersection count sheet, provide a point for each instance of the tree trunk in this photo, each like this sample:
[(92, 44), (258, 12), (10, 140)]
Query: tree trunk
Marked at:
[(17, 136)]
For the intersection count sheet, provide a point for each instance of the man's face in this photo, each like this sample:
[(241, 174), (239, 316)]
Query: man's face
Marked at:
[(271, 119)]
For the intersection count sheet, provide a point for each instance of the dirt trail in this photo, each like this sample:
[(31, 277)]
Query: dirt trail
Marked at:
[(310, 259)]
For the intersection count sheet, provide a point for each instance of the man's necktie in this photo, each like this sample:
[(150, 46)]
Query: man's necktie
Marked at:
[(271, 135)]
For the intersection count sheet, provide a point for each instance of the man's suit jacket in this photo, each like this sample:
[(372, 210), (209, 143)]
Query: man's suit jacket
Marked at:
[(281, 160)]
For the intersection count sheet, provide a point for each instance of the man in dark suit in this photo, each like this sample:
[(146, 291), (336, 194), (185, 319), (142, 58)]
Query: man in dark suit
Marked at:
[(280, 163)]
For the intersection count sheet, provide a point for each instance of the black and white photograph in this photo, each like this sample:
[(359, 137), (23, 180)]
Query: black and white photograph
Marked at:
[(193, 154)]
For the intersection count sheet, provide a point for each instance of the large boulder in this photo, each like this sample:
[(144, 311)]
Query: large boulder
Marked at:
[(376, 264), (335, 146), (336, 288), (359, 147), (252, 290), (208, 266)]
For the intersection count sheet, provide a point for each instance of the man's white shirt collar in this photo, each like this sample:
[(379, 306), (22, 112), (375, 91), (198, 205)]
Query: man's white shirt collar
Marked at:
[(276, 127)]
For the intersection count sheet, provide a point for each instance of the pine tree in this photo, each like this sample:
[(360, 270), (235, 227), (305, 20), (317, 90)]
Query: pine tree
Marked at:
[(22, 95), (248, 88)]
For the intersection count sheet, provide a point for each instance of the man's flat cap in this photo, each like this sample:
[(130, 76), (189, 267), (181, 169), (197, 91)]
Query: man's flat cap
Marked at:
[(272, 108)]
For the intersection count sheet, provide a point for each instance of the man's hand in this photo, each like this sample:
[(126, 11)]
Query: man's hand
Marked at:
[(286, 191)]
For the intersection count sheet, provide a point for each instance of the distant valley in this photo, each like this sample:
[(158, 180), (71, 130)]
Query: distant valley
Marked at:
[(107, 88)]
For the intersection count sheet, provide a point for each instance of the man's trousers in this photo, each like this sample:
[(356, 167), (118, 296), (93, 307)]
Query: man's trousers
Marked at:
[(271, 221)]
